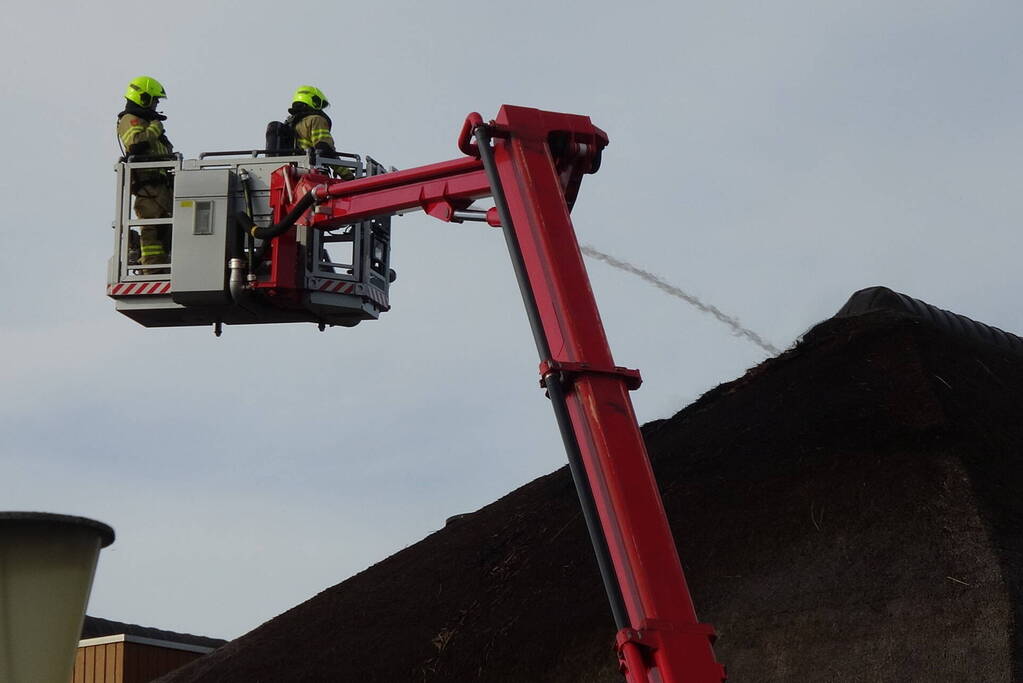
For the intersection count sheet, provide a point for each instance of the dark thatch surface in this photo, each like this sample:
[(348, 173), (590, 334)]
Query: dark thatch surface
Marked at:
[(848, 511)]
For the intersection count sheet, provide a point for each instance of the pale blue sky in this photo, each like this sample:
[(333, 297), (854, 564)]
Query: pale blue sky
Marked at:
[(770, 158)]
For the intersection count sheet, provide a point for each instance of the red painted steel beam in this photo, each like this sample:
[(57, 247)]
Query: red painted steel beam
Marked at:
[(439, 189), (284, 277), (664, 634)]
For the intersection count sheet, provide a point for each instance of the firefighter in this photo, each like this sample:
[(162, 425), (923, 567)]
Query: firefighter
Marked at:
[(140, 132), (311, 125)]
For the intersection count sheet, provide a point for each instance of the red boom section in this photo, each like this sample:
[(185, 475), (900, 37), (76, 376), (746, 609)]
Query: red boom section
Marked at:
[(663, 619), (538, 159), (439, 189)]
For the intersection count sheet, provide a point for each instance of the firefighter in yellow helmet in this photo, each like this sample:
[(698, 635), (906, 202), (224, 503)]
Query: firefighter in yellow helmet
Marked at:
[(311, 125), (140, 133)]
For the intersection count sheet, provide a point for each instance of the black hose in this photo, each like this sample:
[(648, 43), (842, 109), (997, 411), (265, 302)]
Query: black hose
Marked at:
[(243, 225), (271, 231), (250, 241), (244, 222), (236, 230)]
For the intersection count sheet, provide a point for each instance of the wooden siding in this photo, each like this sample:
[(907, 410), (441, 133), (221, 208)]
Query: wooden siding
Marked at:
[(99, 664), (126, 662)]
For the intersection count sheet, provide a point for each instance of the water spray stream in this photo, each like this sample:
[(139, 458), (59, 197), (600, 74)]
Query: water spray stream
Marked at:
[(733, 323)]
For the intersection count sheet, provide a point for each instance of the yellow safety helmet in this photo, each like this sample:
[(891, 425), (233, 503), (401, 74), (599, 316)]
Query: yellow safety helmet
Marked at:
[(314, 97), (144, 90)]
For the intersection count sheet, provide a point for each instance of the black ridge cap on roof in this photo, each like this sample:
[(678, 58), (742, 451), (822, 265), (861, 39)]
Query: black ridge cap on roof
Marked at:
[(94, 627), (884, 299), (877, 300)]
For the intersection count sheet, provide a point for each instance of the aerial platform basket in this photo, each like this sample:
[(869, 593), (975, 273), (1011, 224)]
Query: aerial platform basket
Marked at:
[(218, 273)]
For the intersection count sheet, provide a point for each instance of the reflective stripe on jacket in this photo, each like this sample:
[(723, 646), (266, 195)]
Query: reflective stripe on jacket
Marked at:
[(312, 129), (132, 130)]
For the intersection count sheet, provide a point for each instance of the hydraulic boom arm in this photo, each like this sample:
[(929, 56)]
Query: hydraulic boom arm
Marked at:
[(532, 162)]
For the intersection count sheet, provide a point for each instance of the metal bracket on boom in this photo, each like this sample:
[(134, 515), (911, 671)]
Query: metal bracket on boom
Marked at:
[(637, 645), (569, 370)]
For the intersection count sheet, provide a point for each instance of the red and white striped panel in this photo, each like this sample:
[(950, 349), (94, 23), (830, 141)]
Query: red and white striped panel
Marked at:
[(354, 288), (135, 288), (336, 286)]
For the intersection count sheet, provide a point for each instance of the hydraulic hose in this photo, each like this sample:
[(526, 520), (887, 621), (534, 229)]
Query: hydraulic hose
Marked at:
[(236, 231), (250, 241), (288, 222), (240, 241)]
